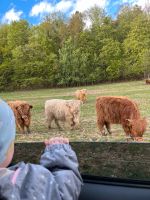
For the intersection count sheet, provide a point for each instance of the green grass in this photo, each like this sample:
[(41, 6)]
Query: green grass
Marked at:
[(88, 131)]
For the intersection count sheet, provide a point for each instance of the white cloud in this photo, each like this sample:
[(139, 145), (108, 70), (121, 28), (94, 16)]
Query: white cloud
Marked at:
[(141, 3), (45, 7), (88, 23), (82, 5), (11, 15), (63, 5), (41, 8), (128, 1)]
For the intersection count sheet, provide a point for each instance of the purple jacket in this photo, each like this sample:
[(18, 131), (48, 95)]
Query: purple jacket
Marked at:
[(56, 178)]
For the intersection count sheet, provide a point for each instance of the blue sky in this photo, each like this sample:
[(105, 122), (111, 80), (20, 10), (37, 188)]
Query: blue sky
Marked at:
[(34, 10)]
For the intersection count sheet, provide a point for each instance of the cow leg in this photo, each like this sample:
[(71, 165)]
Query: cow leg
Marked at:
[(127, 132), (49, 120), (20, 126), (108, 127), (49, 117), (49, 125), (76, 122), (28, 130), (58, 125), (70, 122), (101, 127), (21, 129)]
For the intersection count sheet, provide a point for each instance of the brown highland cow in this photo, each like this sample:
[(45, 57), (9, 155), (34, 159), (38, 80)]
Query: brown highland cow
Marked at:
[(81, 95), (120, 110), (22, 114), (147, 81)]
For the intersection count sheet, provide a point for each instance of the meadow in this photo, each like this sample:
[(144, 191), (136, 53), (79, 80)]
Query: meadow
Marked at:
[(88, 131)]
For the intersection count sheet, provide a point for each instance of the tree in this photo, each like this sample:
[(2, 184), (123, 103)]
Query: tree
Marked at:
[(63, 51), (111, 58), (95, 15), (127, 16), (146, 63), (4, 50), (68, 71), (137, 41), (6, 76), (18, 34), (54, 31), (147, 9), (76, 25)]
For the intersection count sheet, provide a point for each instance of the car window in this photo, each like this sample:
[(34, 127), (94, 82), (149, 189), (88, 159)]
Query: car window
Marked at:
[(55, 52)]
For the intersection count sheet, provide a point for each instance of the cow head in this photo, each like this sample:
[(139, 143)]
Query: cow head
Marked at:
[(136, 127), (24, 111), (83, 95)]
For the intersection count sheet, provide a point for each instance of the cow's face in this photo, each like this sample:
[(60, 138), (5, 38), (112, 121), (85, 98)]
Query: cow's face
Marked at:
[(84, 91), (137, 128), (24, 111), (83, 95)]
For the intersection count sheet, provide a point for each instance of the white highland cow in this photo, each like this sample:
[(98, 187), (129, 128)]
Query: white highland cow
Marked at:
[(67, 111)]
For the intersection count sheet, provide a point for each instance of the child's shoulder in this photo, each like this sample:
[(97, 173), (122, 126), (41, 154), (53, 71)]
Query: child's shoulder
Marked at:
[(4, 172)]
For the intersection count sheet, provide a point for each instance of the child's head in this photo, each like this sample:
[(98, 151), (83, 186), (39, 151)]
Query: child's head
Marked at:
[(7, 134)]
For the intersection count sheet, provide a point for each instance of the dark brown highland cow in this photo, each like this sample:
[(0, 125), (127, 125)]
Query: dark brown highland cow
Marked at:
[(22, 114), (147, 81), (120, 110)]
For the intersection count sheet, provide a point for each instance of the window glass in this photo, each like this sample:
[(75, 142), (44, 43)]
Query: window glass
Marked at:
[(80, 50)]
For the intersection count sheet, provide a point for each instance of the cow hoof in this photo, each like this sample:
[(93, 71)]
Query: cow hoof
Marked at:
[(138, 139), (104, 134)]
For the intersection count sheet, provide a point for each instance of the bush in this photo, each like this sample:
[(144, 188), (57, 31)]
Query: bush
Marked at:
[(30, 83), (6, 75)]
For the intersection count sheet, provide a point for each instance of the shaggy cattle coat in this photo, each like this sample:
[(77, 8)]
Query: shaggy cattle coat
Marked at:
[(81, 95), (119, 110), (67, 111), (147, 81), (22, 114)]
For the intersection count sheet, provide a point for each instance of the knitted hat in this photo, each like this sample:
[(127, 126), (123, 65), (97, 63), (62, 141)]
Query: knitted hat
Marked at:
[(7, 129)]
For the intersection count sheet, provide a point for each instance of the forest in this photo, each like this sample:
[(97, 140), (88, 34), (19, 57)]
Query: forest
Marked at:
[(63, 51)]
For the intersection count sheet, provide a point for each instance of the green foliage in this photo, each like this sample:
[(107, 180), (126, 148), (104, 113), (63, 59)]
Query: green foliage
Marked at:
[(95, 15), (65, 52), (6, 76), (76, 24), (18, 33), (137, 42), (146, 62), (111, 54), (30, 83)]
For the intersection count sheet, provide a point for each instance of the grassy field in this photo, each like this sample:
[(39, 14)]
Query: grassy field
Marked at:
[(88, 131)]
